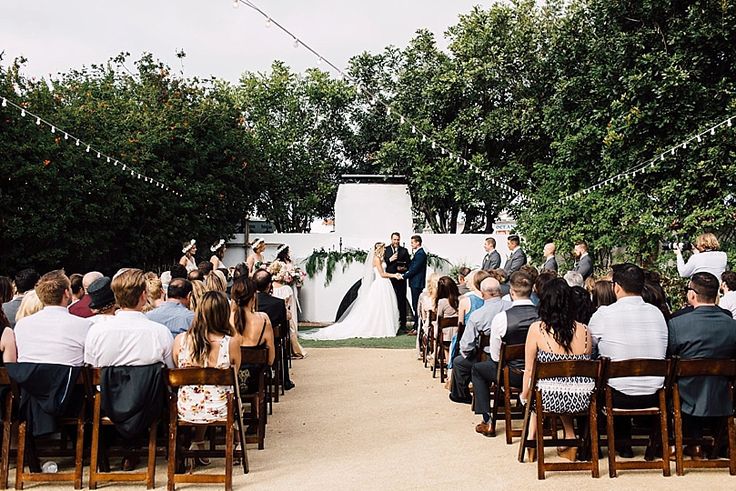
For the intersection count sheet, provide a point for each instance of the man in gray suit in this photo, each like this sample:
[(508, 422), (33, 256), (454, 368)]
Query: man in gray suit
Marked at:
[(584, 263), (706, 332), (550, 262), (25, 280), (492, 259), (517, 258)]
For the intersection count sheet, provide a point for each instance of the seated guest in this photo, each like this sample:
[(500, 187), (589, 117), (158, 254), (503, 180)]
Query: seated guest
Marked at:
[(216, 281), (654, 294), (205, 267), (130, 338), (253, 327), (103, 300), (75, 281), (706, 332), (603, 293), (210, 342), (7, 340), (510, 327), (155, 289), (446, 303), (178, 271), (195, 275), (582, 305), (25, 281), (462, 274), (81, 307), (275, 309), (174, 313), (28, 306), (558, 336), (728, 287), (574, 278), (467, 305), (52, 335), (629, 329), (503, 279), (479, 322), (542, 280), (198, 290)]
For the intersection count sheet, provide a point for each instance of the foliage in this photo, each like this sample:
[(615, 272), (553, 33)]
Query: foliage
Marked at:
[(321, 260)]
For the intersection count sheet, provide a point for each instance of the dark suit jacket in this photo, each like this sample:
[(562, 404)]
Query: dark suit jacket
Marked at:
[(492, 260), (516, 260), (550, 264), (417, 274), (705, 332), (275, 309), (401, 265), (584, 266)]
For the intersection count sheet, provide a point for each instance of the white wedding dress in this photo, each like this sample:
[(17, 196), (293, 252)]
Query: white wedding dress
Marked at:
[(373, 314)]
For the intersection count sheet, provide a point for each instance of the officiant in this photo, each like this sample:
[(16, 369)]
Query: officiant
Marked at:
[(397, 261)]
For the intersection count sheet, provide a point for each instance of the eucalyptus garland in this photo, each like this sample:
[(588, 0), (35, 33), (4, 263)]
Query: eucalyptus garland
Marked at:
[(322, 259)]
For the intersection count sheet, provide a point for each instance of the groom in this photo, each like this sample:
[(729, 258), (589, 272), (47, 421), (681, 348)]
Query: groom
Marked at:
[(417, 274), (397, 261)]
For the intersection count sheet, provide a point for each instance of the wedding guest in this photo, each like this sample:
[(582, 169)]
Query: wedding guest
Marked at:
[(625, 330), (6, 293), (174, 313), (7, 342), (25, 280), (706, 258), (550, 261), (204, 268), (502, 278), (189, 249), (196, 275), (603, 293), (198, 290), (178, 271), (542, 280), (218, 254), (129, 338), (102, 300), (517, 257), (728, 287), (461, 280), (29, 305), (75, 281), (253, 327), (155, 290), (706, 332), (255, 260), (582, 305), (216, 282), (52, 335), (279, 274), (492, 259), (583, 262), (478, 323), (473, 300), (241, 269), (654, 294), (446, 303), (573, 278), (80, 308), (276, 310), (558, 336)]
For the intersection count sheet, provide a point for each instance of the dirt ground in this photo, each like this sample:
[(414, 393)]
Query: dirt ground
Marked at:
[(375, 419)]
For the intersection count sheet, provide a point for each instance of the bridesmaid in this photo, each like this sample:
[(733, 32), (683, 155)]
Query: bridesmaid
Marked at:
[(282, 290), (255, 261), (189, 249), (218, 250)]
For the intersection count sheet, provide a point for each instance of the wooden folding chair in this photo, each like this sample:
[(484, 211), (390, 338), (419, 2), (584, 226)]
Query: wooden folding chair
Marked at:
[(637, 368), (180, 377), (77, 421), (704, 368), (277, 380), (428, 337), (98, 422), (571, 368), (509, 392), (257, 357), (440, 345), (9, 419)]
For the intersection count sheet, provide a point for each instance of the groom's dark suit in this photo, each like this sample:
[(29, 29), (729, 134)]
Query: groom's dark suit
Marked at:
[(401, 265), (417, 276)]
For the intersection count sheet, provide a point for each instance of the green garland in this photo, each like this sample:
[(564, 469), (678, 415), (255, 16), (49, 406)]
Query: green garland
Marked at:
[(321, 260)]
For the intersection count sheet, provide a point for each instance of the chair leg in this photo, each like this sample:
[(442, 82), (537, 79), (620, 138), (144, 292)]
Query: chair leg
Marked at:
[(95, 452), (540, 437), (79, 456), (665, 435), (731, 422), (679, 458), (524, 432), (611, 439), (593, 422), (20, 464), (7, 427), (171, 470), (151, 470), (229, 446)]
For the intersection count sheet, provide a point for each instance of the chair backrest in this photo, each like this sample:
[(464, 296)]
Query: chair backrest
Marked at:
[(254, 355), (512, 352), (443, 322), (485, 341), (640, 367), (705, 367), (176, 377), (568, 368)]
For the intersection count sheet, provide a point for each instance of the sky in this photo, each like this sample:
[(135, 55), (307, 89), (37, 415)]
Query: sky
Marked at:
[(218, 40)]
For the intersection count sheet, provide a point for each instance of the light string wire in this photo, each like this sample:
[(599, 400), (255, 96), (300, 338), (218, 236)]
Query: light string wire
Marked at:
[(89, 148), (376, 98), (651, 163)]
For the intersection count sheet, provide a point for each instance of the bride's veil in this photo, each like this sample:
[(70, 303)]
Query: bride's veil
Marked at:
[(367, 279)]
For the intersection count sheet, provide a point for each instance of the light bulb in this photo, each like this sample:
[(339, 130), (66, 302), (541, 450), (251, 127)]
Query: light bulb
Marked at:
[(699, 139), (712, 131), (23, 113), (236, 4), (728, 123), (108, 160), (77, 141), (38, 121), (115, 163), (66, 136), (434, 145), (5, 103), (319, 60), (53, 129), (296, 43), (98, 155), (268, 22), (413, 129), (424, 138), (87, 149), (388, 111), (401, 120)]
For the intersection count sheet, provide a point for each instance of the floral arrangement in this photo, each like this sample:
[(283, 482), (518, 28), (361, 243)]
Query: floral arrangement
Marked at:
[(286, 274)]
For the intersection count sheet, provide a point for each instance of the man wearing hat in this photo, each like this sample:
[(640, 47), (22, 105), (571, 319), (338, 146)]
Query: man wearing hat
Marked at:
[(102, 300)]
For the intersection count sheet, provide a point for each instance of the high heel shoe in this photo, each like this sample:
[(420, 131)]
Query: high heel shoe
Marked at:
[(569, 453), (197, 461), (531, 454)]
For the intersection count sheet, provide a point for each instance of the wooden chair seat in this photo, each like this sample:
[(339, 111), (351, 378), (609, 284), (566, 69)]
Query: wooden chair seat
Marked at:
[(704, 368), (503, 393), (180, 377), (637, 368)]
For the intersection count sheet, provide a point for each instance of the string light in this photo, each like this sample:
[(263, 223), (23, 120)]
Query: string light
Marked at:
[(268, 23), (296, 43), (38, 121), (53, 129), (5, 102)]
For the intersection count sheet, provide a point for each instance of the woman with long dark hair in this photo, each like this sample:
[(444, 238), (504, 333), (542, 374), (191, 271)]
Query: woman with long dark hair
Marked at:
[(558, 336), (603, 293)]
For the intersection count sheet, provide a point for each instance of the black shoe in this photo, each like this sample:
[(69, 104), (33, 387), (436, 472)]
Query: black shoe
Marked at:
[(289, 385), (459, 400), (625, 452)]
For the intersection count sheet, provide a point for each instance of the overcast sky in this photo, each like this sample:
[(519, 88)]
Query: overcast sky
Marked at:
[(218, 39)]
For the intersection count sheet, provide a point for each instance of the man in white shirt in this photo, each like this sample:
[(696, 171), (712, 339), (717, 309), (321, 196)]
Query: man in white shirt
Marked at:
[(52, 335), (629, 329), (728, 287), (130, 339)]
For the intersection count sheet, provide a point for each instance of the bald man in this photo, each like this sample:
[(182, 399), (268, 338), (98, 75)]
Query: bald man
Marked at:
[(550, 262), (81, 308)]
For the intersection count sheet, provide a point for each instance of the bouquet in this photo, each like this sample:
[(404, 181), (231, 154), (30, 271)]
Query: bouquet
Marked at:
[(286, 275)]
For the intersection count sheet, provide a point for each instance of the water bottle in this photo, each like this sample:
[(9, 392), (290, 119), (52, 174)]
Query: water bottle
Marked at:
[(50, 467)]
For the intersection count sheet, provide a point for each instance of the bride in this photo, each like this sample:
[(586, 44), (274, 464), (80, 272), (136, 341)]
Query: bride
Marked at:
[(374, 313)]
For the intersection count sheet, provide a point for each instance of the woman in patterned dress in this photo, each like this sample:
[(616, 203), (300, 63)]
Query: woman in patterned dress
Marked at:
[(209, 342), (557, 336)]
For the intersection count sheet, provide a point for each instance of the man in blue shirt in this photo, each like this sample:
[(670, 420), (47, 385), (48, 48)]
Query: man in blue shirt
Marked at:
[(174, 313)]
